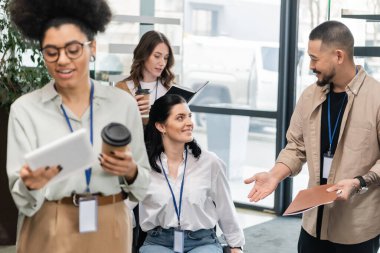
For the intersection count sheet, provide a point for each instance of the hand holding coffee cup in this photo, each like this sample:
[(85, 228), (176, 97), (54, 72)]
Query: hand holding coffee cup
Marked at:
[(115, 137), (116, 157), (143, 101)]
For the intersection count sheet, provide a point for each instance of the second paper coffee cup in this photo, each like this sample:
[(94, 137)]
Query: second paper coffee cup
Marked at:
[(115, 137), (145, 93)]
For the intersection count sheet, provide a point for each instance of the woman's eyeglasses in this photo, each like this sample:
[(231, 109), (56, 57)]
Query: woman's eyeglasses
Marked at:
[(73, 50)]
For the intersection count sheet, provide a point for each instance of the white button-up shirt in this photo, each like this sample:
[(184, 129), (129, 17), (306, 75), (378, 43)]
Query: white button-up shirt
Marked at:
[(206, 199)]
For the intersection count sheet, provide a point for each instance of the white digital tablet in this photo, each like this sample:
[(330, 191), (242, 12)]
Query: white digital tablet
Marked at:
[(73, 152)]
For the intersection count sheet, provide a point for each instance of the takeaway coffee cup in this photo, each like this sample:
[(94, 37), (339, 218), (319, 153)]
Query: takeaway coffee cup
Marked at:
[(146, 93), (115, 137)]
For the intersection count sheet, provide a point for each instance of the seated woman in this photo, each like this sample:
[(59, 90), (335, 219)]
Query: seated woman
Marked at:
[(189, 192), (150, 71)]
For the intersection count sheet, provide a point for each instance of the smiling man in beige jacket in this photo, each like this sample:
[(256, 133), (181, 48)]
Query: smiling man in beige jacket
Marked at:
[(335, 128)]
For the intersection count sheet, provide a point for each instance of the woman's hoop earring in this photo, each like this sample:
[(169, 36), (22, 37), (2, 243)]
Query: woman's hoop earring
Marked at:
[(92, 58)]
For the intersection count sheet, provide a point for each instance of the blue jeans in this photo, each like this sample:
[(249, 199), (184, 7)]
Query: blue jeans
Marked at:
[(201, 241)]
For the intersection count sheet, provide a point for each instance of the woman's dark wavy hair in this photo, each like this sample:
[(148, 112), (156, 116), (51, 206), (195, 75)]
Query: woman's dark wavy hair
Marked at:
[(34, 17), (160, 112), (143, 50)]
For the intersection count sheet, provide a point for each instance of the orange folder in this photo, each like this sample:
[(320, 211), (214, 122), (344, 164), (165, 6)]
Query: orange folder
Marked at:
[(310, 198)]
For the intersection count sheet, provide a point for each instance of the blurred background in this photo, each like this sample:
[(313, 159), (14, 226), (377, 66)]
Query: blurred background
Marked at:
[(254, 53)]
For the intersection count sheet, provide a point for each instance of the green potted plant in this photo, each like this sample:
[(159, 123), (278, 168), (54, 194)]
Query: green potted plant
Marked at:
[(16, 77), (21, 70)]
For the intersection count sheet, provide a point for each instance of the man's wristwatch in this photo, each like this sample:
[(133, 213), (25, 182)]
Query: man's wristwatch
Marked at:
[(363, 185)]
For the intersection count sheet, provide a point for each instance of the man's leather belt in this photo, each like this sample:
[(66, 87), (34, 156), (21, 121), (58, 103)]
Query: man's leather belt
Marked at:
[(102, 200)]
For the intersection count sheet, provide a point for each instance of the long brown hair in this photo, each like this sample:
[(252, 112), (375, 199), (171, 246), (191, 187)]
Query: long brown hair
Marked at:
[(143, 50)]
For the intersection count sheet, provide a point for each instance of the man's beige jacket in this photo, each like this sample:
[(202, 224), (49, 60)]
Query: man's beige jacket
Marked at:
[(357, 153)]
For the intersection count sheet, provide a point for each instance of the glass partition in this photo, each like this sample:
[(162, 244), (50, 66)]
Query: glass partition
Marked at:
[(235, 46), (245, 144)]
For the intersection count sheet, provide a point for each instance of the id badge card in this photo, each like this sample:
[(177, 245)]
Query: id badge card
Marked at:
[(179, 241), (88, 214), (327, 161)]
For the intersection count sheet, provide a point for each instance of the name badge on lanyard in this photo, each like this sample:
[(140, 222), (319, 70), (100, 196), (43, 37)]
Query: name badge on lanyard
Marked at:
[(179, 235), (88, 214), (327, 161), (88, 205), (179, 240)]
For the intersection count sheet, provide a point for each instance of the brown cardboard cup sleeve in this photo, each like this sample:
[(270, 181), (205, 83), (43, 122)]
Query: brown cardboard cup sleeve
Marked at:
[(115, 136)]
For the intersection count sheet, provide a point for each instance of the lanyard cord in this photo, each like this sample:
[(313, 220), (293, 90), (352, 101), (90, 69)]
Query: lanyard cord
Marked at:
[(331, 135), (177, 208), (89, 170)]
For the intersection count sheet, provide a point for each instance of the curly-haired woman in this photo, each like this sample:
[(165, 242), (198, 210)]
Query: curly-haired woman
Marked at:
[(49, 215)]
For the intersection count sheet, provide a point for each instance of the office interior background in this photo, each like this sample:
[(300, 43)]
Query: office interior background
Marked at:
[(254, 54)]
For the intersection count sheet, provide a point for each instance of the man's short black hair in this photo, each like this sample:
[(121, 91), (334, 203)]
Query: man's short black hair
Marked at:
[(334, 33)]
